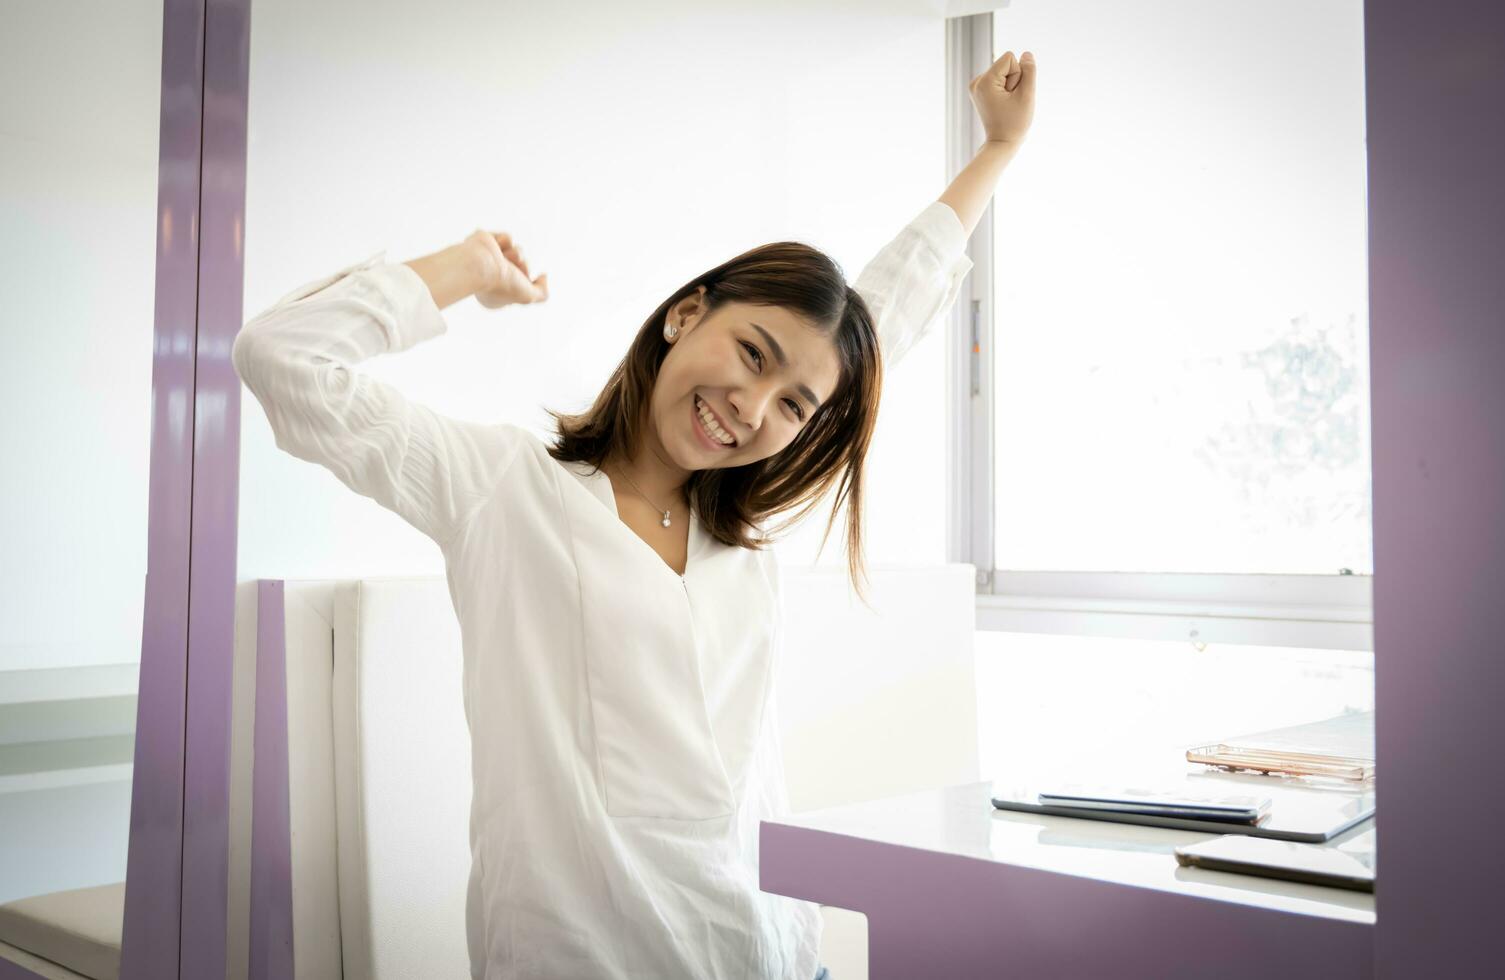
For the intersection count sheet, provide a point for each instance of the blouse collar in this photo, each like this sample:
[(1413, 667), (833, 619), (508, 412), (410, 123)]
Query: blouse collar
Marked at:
[(599, 484)]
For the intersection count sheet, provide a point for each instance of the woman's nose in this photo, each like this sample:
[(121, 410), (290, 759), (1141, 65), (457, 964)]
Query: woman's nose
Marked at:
[(749, 406)]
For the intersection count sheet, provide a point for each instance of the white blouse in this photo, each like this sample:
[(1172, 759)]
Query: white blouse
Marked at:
[(624, 736)]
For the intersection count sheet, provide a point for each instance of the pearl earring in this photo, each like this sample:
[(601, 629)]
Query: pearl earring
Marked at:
[(669, 331)]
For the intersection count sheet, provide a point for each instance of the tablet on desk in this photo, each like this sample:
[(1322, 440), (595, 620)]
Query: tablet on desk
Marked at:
[(1297, 812), (1236, 808), (1306, 863)]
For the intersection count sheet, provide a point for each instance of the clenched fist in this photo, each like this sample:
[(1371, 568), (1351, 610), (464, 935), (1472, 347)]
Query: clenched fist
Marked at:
[(505, 277), (1004, 96)]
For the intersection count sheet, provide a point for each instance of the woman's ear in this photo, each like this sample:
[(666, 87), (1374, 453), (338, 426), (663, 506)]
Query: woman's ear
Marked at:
[(689, 311)]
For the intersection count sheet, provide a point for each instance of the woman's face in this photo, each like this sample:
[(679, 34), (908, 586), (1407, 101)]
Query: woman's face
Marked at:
[(760, 371)]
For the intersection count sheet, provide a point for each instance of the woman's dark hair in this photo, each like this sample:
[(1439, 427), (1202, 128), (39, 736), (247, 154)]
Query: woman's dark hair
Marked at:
[(831, 446)]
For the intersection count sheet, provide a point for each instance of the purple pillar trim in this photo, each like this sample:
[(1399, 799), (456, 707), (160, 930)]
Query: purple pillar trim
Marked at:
[(271, 947), (15, 971), (211, 627), (932, 914), (150, 929), (1435, 95)]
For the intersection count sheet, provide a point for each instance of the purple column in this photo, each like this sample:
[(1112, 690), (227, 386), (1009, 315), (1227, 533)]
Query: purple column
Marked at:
[(1436, 101), (206, 800), (150, 930)]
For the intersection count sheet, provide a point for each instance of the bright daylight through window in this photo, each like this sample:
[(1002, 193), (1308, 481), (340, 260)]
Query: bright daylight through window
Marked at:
[(1180, 359), (1181, 316)]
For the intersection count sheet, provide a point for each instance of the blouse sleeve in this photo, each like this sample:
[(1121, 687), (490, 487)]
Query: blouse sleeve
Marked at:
[(298, 359), (914, 279)]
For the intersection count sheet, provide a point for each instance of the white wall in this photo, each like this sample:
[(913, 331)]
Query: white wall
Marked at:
[(627, 148), (79, 104), (80, 100)]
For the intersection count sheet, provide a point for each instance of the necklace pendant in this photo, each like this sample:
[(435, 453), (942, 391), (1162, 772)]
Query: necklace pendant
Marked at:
[(666, 518)]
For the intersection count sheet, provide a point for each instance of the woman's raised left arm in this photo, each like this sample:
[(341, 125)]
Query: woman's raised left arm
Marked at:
[(1004, 97), (916, 277)]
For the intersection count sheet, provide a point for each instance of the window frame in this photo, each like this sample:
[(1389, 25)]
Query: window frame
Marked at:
[(1291, 610)]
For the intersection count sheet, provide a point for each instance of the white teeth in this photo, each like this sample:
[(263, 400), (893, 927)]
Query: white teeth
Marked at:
[(710, 423)]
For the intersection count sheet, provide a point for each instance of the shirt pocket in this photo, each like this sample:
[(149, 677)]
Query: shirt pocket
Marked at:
[(656, 751)]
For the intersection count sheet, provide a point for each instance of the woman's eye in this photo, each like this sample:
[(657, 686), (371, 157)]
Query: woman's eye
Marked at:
[(759, 355)]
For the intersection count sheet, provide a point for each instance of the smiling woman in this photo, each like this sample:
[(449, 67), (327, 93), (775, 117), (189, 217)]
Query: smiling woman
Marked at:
[(781, 353), (620, 614), (624, 680), (769, 405)]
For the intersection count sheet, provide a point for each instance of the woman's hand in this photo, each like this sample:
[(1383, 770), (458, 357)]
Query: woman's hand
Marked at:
[(504, 271), (1005, 97)]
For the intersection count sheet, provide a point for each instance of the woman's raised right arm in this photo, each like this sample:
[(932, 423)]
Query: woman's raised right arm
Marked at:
[(299, 356)]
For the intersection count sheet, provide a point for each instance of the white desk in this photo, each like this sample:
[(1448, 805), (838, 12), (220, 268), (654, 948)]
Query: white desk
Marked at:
[(954, 887)]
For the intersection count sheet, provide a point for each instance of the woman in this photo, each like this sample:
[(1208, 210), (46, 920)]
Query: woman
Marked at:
[(619, 621)]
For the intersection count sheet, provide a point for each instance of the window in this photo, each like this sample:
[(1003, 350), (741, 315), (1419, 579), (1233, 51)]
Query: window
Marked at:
[(1170, 438)]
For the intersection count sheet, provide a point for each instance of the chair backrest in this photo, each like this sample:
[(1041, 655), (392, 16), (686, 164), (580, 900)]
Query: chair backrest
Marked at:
[(295, 914), (871, 704), (402, 779)]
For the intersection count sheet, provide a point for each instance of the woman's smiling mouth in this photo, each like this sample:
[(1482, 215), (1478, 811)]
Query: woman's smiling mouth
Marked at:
[(710, 431)]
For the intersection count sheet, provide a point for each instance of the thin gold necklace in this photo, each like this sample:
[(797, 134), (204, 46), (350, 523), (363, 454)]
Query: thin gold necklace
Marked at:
[(640, 493)]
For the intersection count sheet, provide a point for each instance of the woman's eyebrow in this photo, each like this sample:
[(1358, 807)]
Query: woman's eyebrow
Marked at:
[(778, 354)]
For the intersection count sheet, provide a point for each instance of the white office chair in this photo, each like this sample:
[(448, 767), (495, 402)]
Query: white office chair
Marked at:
[(378, 756)]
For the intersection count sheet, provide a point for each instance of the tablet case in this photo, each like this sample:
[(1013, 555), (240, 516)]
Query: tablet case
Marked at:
[(1306, 813)]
